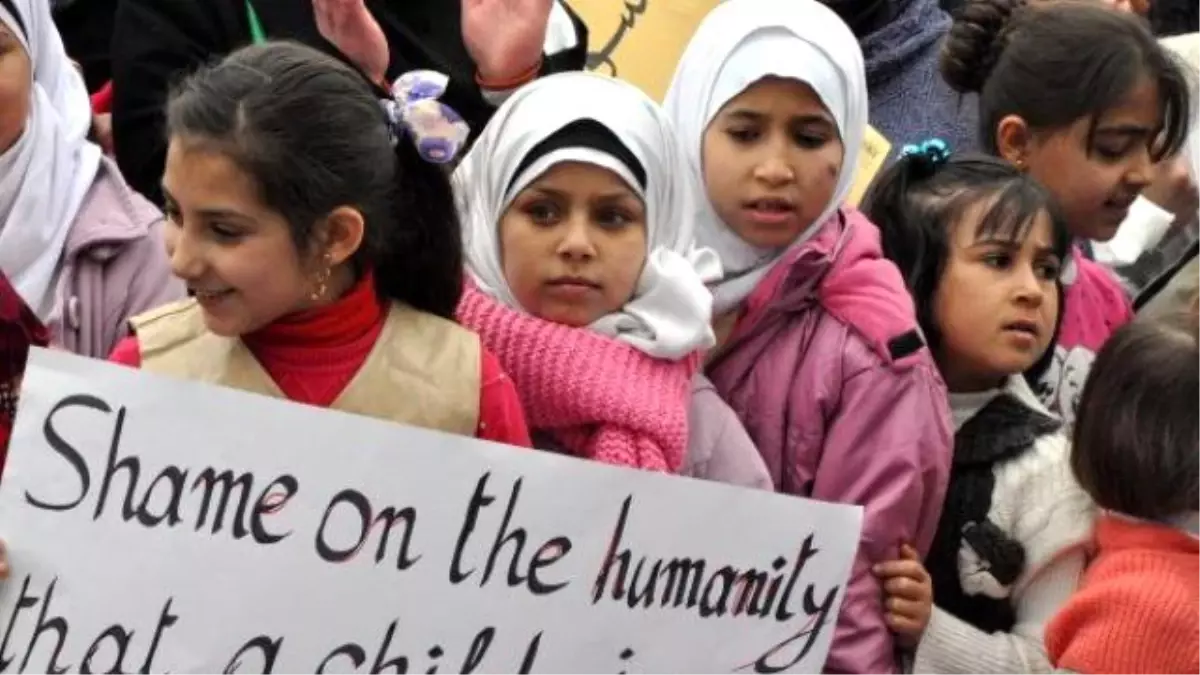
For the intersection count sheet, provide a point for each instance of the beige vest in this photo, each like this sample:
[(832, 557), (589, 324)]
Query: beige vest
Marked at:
[(422, 371)]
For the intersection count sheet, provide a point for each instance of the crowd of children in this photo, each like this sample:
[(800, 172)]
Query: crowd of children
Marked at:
[(685, 289)]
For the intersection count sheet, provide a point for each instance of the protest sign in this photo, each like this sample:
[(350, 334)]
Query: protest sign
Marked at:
[(160, 525)]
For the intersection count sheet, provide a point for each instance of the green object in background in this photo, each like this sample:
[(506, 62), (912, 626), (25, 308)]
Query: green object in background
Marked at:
[(257, 34)]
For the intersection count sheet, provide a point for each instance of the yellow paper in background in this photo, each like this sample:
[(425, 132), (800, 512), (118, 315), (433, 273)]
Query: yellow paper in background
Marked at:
[(875, 149), (640, 41)]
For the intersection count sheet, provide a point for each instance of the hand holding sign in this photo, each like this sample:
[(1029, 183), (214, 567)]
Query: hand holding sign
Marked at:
[(909, 595), (349, 26), (505, 37)]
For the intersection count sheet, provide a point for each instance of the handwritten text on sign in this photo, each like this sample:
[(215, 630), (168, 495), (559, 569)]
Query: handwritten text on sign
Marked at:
[(158, 525)]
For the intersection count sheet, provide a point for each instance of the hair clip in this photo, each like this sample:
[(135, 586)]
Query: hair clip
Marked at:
[(437, 130), (934, 151)]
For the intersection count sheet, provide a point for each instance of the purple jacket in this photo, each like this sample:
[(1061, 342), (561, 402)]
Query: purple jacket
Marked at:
[(718, 447), (827, 370), (114, 266)]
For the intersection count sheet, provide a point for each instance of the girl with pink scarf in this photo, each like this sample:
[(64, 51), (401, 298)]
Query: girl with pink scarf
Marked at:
[(584, 282)]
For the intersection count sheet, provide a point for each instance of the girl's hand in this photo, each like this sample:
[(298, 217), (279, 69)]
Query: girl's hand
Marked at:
[(3, 561), (349, 26), (505, 37), (909, 596), (1141, 7)]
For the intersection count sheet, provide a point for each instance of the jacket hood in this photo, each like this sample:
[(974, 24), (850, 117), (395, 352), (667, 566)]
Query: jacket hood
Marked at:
[(843, 269)]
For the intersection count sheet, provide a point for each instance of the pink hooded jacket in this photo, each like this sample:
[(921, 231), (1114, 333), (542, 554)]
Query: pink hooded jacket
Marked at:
[(827, 370), (1094, 307)]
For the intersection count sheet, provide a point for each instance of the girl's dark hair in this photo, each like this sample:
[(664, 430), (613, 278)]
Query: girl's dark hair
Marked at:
[(1136, 430), (312, 134), (1054, 63), (917, 201)]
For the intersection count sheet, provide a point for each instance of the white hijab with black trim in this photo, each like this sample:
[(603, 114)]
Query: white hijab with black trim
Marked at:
[(739, 43), (46, 174), (670, 313)]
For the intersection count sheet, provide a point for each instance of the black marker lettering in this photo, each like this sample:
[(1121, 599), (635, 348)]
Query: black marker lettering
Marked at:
[(348, 650), (131, 465), (25, 601), (67, 450), (478, 650), (531, 653), (503, 536), (225, 482), (550, 552), (165, 620), (120, 637), (58, 625), (479, 501), (271, 501), (176, 479), (266, 646), (389, 517), (606, 567), (399, 665), (807, 552)]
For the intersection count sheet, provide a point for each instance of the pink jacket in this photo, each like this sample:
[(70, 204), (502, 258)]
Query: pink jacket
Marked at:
[(114, 266), (1094, 307), (827, 370)]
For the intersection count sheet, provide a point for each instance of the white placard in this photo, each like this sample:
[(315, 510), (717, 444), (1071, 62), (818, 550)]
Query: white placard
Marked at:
[(265, 536)]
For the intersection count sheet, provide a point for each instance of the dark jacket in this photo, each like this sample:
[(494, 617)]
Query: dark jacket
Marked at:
[(86, 29), (157, 42)]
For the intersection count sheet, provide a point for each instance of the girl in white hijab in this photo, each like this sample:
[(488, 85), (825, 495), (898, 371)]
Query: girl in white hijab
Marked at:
[(821, 357), (584, 282), (81, 249)]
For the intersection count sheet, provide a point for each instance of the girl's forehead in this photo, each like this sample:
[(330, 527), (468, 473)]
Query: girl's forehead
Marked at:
[(1141, 105), (988, 219), (777, 94), (198, 172)]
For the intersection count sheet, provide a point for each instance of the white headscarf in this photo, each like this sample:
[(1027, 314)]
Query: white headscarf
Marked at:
[(739, 43), (47, 173), (670, 313)]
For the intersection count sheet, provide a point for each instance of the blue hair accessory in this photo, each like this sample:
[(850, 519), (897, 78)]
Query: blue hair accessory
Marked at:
[(437, 130), (935, 151)]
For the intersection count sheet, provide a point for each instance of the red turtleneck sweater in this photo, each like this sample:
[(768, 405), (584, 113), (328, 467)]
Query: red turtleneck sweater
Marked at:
[(313, 355)]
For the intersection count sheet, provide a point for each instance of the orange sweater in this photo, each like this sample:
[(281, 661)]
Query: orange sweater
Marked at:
[(1138, 608)]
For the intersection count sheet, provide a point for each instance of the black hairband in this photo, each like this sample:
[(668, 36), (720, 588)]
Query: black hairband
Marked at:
[(584, 133), (7, 4)]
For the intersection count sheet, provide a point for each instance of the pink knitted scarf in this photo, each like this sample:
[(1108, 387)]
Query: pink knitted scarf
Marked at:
[(599, 397)]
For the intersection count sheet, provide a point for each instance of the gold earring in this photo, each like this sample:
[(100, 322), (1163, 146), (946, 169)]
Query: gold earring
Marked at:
[(322, 278)]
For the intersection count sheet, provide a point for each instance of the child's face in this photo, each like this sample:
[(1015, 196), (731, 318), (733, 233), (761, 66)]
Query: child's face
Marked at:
[(1095, 184), (237, 255), (771, 161), (573, 244), (996, 303), (16, 86)]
